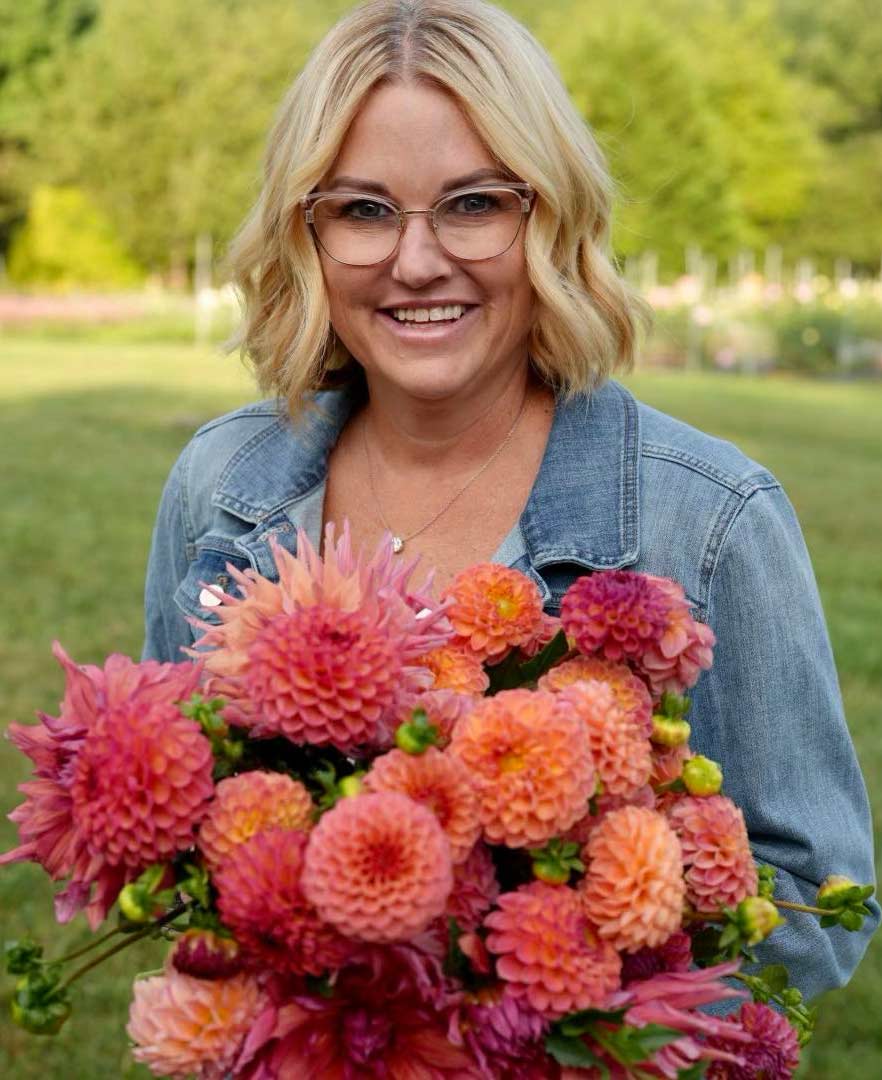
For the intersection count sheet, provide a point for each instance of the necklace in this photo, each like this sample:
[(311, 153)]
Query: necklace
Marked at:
[(399, 541)]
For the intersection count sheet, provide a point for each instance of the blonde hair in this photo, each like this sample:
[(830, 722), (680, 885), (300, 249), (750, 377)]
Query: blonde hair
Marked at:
[(587, 318)]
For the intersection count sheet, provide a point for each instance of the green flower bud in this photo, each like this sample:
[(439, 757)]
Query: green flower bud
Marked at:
[(836, 890), (702, 776), (757, 918), (417, 735), (40, 1019), (350, 786), (669, 731)]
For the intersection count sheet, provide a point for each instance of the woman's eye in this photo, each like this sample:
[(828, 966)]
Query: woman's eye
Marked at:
[(365, 210), (476, 202)]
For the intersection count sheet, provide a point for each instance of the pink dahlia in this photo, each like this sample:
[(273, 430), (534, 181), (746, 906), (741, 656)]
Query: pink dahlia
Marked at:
[(120, 779), (249, 803), (184, 1026), (548, 952), (206, 955), (675, 954), (633, 889), (444, 709), (674, 662), (475, 889), (492, 609), (261, 900), (378, 867), (504, 1033), (327, 654), (619, 749), (720, 871), (438, 781), (772, 1053), (548, 629), (616, 614), (531, 764), (629, 691), (385, 1018)]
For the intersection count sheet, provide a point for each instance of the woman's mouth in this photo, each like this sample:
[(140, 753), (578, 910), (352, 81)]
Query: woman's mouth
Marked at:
[(428, 323)]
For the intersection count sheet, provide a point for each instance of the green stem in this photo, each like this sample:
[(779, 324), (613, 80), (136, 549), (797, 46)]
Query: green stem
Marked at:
[(86, 948), (806, 907), (169, 916)]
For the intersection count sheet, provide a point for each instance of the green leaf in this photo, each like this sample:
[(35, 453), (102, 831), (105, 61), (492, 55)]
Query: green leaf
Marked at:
[(504, 675), (545, 659), (775, 977), (695, 1072), (578, 1023), (569, 1050)]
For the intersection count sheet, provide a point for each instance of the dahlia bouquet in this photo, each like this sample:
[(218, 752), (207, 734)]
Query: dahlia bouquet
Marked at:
[(393, 836)]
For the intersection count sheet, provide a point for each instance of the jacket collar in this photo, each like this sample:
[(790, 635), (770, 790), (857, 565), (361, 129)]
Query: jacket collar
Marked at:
[(584, 507)]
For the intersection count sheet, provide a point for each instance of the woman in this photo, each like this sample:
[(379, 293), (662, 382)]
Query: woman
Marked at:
[(430, 253)]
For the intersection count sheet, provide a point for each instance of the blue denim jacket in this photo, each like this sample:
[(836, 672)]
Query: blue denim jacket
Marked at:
[(620, 485)]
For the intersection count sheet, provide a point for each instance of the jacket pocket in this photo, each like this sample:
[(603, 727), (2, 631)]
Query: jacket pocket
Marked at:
[(210, 567)]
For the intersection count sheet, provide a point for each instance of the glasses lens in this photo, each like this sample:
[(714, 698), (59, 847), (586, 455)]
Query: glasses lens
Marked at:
[(354, 229), (479, 224)]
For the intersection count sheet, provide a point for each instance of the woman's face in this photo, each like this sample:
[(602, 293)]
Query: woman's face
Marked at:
[(411, 142)]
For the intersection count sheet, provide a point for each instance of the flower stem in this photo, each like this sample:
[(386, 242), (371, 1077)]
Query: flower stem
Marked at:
[(87, 948), (805, 907)]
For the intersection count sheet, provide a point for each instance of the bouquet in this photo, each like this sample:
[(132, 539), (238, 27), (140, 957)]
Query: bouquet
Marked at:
[(393, 836)]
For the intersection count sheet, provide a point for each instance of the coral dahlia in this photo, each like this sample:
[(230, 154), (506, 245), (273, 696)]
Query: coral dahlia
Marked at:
[(456, 668), (378, 867), (620, 751), (186, 1026), (772, 1053), (261, 899), (720, 871), (493, 608), (633, 889), (548, 952), (438, 781), (248, 803), (629, 691), (529, 759)]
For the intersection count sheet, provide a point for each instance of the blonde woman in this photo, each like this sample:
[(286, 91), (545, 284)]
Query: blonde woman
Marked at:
[(430, 303)]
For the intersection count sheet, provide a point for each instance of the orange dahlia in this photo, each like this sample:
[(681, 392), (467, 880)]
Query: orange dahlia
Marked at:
[(720, 871), (378, 867), (629, 691), (185, 1026), (437, 781), (620, 751), (548, 951), (474, 889), (260, 898), (248, 803), (633, 889), (529, 758), (456, 668), (603, 804), (492, 609)]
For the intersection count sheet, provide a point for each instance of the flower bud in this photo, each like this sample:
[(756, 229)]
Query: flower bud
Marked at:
[(835, 890), (206, 955), (417, 735), (350, 786), (40, 1019), (702, 776), (668, 731), (757, 918)]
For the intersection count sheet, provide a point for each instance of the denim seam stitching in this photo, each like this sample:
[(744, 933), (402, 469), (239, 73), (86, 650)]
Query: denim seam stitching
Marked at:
[(744, 486)]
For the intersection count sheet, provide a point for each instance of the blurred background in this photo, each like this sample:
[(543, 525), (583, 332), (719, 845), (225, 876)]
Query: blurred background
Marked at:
[(746, 139)]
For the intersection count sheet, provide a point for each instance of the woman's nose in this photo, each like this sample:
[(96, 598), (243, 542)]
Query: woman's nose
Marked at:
[(419, 258)]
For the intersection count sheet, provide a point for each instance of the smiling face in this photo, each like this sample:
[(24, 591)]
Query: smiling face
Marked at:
[(411, 143)]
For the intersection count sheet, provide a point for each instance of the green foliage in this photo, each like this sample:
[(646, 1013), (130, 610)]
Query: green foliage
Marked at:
[(66, 240)]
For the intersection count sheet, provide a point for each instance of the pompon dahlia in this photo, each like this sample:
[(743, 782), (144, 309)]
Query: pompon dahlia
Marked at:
[(603, 804), (475, 889), (108, 797), (629, 691), (616, 614), (620, 751), (378, 867), (674, 662), (675, 954), (327, 653), (455, 668), (720, 871), (261, 900), (249, 803), (438, 781), (548, 952), (529, 759), (772, 1054), (633, 888), (184, 1026), (493, 608), (504, 1033)]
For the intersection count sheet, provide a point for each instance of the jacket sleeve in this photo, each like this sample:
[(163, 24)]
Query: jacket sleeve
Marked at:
[(770, 712), (166, 629)]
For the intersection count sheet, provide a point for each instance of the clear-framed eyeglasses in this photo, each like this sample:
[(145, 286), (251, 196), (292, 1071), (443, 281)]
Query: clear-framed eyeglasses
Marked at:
[(472, 224)]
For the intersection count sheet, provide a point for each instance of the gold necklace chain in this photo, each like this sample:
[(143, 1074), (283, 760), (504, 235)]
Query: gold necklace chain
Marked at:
[(399, 541)]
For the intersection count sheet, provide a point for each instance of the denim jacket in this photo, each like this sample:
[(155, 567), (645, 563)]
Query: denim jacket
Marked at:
[(620, 485)]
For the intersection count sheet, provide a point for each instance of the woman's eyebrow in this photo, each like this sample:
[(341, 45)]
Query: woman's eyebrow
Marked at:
[(360, 183)]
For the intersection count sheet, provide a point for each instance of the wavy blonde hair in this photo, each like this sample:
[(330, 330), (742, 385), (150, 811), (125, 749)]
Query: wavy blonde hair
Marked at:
[(588, 317)]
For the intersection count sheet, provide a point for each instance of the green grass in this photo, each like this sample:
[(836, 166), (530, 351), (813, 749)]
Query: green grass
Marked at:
[(89, 432)]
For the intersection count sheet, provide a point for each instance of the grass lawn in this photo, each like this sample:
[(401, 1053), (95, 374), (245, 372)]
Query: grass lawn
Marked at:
[(90, 431)]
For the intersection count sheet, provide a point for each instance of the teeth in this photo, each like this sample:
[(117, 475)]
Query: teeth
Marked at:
[(435, 314)]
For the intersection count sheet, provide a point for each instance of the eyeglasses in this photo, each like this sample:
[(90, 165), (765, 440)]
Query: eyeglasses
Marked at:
[(471, 224)]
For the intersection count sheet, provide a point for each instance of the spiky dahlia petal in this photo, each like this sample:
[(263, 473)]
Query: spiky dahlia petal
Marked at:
[(629, 690), (260, 898), (378, 867), (456, 668), (633, 888), (675, 954), (548, 951), (493, 608), (617, 614), (248, 803), (720, 871), (505, 1034), (531, 765), (438, 781), (620, 750), (773, 1053), (186, 1026)]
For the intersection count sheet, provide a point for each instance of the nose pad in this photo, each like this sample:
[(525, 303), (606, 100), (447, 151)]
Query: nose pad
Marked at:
[(420, 257)]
